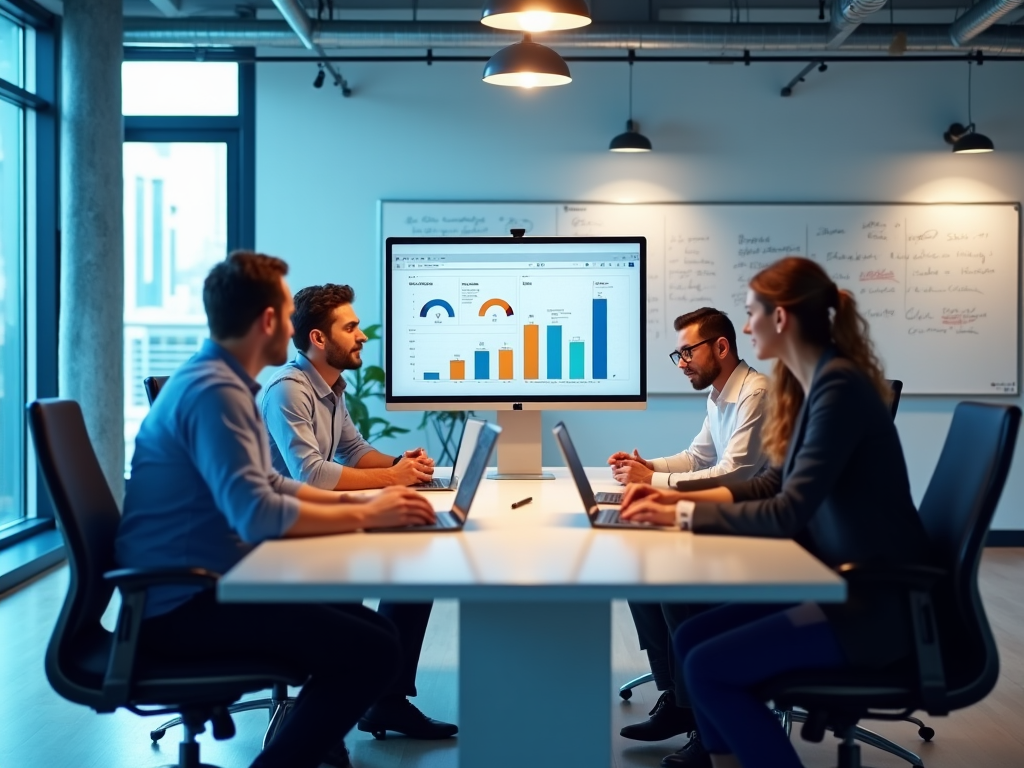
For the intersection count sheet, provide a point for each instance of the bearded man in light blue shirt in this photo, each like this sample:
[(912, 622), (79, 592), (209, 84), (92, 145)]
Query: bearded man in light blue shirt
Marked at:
[(313, 439)]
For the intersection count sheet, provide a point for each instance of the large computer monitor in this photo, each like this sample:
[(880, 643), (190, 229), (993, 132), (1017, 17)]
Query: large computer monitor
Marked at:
[(517, 325)]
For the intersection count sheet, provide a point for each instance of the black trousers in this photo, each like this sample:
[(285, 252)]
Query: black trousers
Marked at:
[(655, 625), (410, 620), (351, 654)]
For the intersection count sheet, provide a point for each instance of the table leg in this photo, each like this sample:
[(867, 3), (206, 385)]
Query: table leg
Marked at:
[(534, 682)]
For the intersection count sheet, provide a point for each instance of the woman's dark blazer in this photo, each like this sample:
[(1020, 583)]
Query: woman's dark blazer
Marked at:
[(843, 494)]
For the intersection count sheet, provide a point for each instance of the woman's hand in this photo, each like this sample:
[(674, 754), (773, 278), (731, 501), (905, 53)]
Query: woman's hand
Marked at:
[(650, 510)]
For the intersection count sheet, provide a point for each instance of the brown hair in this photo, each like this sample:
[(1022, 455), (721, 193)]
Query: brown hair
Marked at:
[(239, 289), (314, 306), (803, 289), (711, 324)]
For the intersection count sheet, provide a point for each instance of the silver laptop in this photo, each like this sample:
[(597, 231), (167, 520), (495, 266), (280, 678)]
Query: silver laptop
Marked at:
[(598, 517), (467, 443), (455, 519)]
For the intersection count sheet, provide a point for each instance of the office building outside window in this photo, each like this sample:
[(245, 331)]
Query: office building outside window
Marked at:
[(178, 185)]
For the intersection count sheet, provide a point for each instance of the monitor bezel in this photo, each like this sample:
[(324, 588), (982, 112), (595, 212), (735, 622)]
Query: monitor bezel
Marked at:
[(393, 402)]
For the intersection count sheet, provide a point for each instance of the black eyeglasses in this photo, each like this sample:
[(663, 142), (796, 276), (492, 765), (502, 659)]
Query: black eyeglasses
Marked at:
[(686, 353)]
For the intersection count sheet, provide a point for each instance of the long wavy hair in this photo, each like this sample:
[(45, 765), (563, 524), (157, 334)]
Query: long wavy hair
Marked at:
[(826, 315)]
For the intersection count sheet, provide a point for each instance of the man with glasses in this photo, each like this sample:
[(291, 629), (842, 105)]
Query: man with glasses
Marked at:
[(728, 443)]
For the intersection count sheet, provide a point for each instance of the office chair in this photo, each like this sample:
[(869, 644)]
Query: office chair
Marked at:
[(280, 702), (153, 385), (103, 670), (955, 662), (626, 689)]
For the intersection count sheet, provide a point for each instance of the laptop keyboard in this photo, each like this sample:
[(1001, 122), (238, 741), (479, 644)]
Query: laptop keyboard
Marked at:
[(432, 484), (603, 497), (608, 516)]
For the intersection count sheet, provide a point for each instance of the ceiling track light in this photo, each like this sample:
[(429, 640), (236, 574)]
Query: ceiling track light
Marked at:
[(632, 140), (535, 15), (965, 139), (527, 65)]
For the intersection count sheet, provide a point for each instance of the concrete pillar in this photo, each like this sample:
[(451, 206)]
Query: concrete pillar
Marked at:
[(90, 351)]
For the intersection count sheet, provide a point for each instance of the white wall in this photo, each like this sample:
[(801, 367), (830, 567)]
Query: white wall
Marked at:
[(864, 132)]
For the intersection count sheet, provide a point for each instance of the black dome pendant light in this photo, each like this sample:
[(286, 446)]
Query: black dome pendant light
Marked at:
[(632, 140), (965, 140)]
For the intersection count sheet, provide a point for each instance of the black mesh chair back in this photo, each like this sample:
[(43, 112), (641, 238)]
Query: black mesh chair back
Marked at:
[(88, 517), (153, 385), (957, 510), (894, 404)]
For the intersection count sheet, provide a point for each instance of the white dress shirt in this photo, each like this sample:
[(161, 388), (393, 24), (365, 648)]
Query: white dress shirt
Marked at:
[(729, 441)]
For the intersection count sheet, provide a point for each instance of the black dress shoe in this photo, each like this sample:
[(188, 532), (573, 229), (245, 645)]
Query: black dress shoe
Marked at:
[(338, 756), (693, 755), (666, 720), (402, 716)]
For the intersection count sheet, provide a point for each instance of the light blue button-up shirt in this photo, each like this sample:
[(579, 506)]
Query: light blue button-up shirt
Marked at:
[(312, 436), (202, 492)]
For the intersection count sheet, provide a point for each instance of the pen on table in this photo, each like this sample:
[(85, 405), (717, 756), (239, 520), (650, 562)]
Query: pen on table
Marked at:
[(522, 503)]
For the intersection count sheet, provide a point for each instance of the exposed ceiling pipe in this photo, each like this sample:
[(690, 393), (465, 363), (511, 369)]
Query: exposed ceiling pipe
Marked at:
[(847, 15), (242, 33), (979, 18), (297, 18)]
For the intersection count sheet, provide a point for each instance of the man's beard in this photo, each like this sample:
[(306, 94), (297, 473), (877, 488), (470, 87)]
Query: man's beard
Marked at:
[(339, 360), (705, 378)]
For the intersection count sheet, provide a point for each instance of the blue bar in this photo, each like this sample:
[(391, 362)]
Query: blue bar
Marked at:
[(554, 351), (431, 376), (600, 338), (575, 359), (481, 364)]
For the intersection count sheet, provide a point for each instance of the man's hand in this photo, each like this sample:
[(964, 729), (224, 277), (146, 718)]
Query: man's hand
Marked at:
[(421, 454), (411, 470), (398, 506), (650, 509), (631, 467), (629, 471)]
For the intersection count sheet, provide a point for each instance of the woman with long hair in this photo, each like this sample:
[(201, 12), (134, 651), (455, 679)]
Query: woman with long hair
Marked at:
[(837, 485)]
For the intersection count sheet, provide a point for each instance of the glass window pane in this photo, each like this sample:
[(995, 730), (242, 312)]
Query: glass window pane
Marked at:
[(175, 230), (11, 56), (12, 366), (179, 88)]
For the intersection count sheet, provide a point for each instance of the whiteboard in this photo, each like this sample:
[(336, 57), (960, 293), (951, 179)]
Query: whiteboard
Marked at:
[(938, 283)]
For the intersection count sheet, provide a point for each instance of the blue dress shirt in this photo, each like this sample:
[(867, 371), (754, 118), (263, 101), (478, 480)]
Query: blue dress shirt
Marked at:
[(311, 432), (202, 491)]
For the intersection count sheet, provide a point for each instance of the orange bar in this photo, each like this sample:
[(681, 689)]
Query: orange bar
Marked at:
[(504, 363), (531, 351), (457, 370)]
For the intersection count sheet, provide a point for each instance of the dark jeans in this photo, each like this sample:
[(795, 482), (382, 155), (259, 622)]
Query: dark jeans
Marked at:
[(350, 653), (655, 625), (725, 654)]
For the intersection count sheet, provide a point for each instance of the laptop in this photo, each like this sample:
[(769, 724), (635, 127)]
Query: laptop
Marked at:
[(599, 518), (462, 454), (455, 519)]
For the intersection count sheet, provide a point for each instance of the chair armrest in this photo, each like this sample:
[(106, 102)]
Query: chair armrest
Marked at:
[(134, 579), (133, 583), (908, 576), (916, 583)]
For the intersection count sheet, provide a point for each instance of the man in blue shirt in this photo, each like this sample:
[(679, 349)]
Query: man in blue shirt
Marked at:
[(203, 493), (313, 439)]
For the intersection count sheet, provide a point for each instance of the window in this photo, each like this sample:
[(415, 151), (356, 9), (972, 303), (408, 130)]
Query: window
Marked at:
[(186, 205), (12, 315)]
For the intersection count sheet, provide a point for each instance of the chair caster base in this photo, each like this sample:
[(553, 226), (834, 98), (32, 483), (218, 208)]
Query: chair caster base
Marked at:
[(626, 695), (379, 735), (157, 735), (926, 733)]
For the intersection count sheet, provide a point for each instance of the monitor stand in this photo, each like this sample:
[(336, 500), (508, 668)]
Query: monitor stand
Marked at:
[(519, 452)]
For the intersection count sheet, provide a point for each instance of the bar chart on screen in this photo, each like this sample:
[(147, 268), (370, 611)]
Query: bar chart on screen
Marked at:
[(516, 327)]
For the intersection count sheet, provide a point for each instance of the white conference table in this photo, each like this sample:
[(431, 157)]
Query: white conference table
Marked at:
[(535, 586)]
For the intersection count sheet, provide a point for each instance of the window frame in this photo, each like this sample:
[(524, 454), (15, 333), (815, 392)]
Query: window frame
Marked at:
[(40, 283)]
